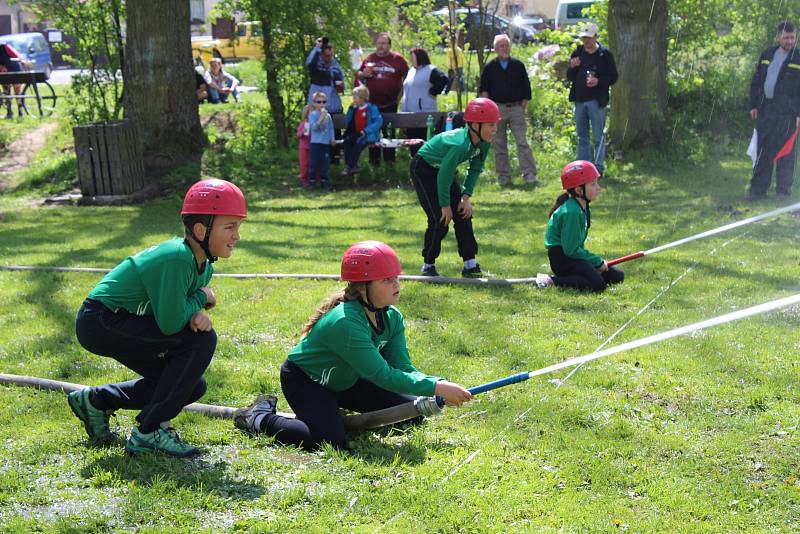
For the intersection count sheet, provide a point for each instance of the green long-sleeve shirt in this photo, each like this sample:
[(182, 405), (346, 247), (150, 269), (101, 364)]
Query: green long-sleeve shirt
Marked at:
[(162, 281), (343, 346), (446, 151), (568, 229)]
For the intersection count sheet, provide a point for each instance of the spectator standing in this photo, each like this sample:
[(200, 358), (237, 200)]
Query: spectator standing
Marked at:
[(591, 72), (326, 77), (220, 83), (422, 85), (356, 58), (304, 144), (10, 61), (383, 73), (322, 139), (775, 106), (505, 80)]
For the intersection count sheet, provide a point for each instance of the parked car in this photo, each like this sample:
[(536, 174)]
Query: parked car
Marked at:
[(247, 43), (536, 21), (475, 32), (571, 12), (33, 48)]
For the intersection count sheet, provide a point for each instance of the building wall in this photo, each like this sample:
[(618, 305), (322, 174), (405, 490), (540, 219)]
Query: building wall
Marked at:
[(17, 18)]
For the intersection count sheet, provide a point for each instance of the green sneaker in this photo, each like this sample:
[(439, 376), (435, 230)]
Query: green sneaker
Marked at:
[(94, 421), (249, 418), (167, 442)]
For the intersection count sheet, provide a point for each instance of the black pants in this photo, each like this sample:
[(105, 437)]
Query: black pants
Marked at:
[(353, 145), (388, 153), (171, 367), (416, 133), (423, 177), (580, 274), (774, 128), (318, 419)]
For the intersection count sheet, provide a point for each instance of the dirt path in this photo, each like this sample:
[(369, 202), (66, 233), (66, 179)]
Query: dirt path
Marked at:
[(20, 153)]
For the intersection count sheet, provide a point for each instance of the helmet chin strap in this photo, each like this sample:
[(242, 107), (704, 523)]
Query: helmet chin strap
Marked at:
[(367, 303), (204, 244), (478, 131)]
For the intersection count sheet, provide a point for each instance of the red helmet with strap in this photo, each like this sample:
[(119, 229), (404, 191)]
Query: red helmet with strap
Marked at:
[(370, 260), (481, 110), (214, 197), (577, 173)]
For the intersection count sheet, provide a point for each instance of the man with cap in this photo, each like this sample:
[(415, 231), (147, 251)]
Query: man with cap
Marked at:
[(775, 106), (505, 80), (591, 72)]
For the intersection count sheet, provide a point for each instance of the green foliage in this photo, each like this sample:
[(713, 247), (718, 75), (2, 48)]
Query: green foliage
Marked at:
[(96, 26)]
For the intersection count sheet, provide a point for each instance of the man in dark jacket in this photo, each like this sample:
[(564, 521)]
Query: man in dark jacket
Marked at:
[(775, 106), (505, 80), (591, 71)]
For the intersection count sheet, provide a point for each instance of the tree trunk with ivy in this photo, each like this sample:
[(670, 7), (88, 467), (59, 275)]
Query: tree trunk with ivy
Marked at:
[(277, 108), (638, 39), (159, 91)]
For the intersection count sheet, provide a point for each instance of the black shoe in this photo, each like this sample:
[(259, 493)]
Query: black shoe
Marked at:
[(429, 271), (472, 272)]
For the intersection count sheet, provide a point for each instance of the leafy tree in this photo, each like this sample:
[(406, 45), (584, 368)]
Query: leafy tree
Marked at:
[(95, 94), (289, 28)]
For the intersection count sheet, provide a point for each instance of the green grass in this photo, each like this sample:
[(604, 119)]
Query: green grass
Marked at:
[(693, 434)]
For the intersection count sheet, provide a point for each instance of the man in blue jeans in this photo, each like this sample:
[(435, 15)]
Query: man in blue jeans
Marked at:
[(591, 72)]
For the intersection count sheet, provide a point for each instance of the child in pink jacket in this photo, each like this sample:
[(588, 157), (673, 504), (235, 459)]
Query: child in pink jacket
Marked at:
[(304, 138)]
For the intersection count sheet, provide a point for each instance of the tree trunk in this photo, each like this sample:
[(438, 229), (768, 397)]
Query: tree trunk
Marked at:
[(273, 86), (159, 90), (638, 40)]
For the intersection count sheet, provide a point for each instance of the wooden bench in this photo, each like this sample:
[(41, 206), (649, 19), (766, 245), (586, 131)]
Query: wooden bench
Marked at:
[(36, 88), (399, 120)]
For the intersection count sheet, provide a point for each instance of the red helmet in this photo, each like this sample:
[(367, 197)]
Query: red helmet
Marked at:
[(481, 110), (214, 197), (578, 173), (369, 260)]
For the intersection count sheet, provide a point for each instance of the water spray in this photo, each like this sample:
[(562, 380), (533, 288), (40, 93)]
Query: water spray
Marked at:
[(707, 233)]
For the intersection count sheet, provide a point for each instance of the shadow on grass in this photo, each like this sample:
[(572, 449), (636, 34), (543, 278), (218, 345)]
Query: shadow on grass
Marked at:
[(155, 470)]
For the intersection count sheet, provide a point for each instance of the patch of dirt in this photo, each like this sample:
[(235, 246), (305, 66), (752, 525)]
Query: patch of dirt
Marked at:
[(19, 154), (224, 121)]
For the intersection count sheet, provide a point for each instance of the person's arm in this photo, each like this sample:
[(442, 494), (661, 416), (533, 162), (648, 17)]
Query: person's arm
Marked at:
[(474, 169), (167, 287), (447, 173), (374, 122), (438, 81), (311, 55), (210, 81), (574, 64), (572, 239), (609, 76), (351, 342), (526, 84), (756, 86), (233, 81)]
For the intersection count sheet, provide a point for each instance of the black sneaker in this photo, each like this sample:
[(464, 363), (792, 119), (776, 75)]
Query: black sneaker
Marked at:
[(246, 419), (472, 272), (429, 270)]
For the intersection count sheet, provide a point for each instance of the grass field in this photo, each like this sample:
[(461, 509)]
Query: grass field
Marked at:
[(698, 433)]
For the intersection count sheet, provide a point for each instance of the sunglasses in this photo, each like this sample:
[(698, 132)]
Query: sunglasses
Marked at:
[(320, 101)]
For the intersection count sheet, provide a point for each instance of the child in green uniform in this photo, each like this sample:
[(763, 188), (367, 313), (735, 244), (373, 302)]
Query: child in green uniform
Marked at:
[(147, 314), (433, 172), (567, 230), (352, 355)]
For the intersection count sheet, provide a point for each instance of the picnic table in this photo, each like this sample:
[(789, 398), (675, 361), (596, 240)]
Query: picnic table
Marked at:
[(36, 90)]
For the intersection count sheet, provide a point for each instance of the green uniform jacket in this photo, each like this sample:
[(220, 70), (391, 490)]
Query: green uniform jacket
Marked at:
[(161, 281), (567, 229), (445, 151), (343, 346)]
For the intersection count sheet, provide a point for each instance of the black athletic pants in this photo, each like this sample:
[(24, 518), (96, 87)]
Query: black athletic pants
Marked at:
[(171, 367), (580, 274), (316, 409), (423, 176)]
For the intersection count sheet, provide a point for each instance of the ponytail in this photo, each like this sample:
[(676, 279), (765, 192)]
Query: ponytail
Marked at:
[(351, 292), (563, 197)]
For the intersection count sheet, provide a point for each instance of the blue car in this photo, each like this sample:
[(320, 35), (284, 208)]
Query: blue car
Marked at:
[(33, 48)]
